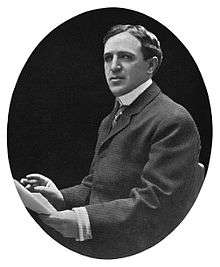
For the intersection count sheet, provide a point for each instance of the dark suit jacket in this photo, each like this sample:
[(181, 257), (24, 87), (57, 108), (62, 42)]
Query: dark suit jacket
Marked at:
[(142, 179)]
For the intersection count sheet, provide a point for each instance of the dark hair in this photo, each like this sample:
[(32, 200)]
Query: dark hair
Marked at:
[(150, 46)]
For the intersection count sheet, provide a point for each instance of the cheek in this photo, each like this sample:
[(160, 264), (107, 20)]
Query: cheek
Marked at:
[(137, 73), (107, 69), (134, 74)]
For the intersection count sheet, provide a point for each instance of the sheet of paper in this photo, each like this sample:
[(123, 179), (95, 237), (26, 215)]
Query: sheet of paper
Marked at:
[(34, 201)]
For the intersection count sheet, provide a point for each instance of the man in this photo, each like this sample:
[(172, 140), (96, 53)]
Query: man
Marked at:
[(142, 179)]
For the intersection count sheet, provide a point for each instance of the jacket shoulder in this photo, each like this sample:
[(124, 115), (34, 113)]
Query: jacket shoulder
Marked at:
[(168, 110)]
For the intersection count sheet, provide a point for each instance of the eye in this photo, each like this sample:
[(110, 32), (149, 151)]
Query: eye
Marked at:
[(126, 57), (108, 57)]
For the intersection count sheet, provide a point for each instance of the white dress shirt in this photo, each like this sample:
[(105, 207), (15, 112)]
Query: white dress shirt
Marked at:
[(84, 227)]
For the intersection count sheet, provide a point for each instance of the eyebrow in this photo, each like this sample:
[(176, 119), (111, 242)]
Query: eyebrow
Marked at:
[(119, 52)]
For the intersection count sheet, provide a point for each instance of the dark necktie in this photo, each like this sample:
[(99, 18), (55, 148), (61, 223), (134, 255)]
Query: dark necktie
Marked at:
[(120, 108)]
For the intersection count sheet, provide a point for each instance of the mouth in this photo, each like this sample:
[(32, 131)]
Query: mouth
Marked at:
[(116, 78)]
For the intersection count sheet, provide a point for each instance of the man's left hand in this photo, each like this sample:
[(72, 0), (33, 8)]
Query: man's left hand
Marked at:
[(64, 222)]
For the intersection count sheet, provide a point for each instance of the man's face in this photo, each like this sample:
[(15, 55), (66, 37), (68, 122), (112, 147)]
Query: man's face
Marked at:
[(125, 67)]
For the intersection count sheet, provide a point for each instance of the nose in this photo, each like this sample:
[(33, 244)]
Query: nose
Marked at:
[(116, 65)]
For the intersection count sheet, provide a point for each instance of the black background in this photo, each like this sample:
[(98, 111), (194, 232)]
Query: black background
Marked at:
[(61, 96)]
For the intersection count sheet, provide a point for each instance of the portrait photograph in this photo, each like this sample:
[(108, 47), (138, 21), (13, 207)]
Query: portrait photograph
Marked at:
[(109, 134)]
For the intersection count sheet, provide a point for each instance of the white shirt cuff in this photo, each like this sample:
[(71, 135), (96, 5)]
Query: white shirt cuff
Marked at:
[(84, 226)]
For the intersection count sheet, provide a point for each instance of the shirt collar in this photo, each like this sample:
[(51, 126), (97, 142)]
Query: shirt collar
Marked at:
[(128, 98)]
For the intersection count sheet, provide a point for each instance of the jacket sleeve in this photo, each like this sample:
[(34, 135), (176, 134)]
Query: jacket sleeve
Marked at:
[(163, 196), (78, 195)]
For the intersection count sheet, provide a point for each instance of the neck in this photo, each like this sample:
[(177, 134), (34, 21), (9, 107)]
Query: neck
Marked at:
[(128, 98)]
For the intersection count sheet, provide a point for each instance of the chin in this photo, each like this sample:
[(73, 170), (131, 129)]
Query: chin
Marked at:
[(118, 91)]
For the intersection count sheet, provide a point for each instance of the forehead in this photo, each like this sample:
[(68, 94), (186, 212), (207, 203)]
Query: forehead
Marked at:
[(122, 42)]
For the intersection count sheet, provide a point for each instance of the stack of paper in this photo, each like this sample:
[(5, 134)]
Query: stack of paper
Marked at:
[(34, 201)]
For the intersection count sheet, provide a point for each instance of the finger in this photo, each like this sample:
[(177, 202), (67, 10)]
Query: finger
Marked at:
[(42, 189), (59, 226), (23, 180), (28, 186), (27, 181), (42, 180), (45, 218), (39, 177), (55, 227), (32, 182), (50, 220), (54, 216)]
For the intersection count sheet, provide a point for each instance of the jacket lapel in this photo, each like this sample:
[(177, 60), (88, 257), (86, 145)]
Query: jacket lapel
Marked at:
[(120, 125), (144, 99)]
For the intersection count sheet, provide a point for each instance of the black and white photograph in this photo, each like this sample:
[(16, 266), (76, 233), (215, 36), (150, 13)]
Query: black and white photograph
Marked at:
[(109, 134)]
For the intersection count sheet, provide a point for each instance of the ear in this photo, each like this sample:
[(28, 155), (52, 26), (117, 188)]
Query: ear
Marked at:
[(152, 65)]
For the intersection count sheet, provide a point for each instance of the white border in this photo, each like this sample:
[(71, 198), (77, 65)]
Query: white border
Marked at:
[(23, 25)]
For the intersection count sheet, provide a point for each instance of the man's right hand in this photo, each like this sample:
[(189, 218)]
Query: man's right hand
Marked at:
[(41, 184)]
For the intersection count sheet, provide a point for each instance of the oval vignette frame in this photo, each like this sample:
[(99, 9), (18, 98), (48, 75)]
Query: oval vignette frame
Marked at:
[(61, 96)]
